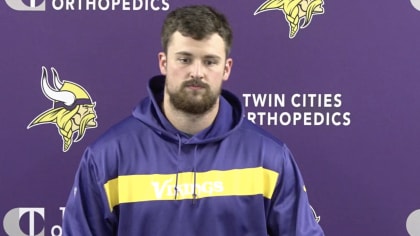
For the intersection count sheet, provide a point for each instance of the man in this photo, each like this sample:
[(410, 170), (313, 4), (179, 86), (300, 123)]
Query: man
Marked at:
[(186, 162)]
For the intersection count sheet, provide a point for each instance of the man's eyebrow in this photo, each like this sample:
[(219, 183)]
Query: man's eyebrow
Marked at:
[(209, 56), (183, 53)]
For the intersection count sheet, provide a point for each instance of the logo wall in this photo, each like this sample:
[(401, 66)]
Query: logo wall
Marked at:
[(73, 110)]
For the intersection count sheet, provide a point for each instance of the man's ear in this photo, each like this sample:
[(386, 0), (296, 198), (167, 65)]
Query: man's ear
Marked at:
[(227, 69), (162, 62)]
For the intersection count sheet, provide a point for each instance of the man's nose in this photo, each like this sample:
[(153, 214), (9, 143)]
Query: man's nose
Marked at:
[(197, 70)]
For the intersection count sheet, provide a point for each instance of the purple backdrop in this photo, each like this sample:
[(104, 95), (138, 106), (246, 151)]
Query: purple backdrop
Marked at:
[(357, 145)]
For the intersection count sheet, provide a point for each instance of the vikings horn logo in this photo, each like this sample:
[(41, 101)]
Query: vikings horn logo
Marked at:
[(295, 12), (72, 112)]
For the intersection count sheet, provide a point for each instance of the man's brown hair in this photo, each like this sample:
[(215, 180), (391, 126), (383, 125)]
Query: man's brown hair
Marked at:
[(197, 22)]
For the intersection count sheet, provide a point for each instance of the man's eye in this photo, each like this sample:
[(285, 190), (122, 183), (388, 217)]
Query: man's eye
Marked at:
[(184, 60), (210, 62)]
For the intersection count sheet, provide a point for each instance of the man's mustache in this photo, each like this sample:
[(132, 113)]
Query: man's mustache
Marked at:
[(195, 83)]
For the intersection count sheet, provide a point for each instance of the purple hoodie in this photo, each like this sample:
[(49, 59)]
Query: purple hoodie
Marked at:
[(143, 177)]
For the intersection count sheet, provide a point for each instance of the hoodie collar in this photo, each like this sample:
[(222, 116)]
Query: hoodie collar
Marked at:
[(229, 116)]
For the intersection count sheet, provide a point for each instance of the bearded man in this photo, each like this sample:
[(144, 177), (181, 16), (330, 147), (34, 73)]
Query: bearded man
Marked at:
[(186, 162)]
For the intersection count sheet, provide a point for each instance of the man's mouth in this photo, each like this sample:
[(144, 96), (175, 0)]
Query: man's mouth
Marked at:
[(195, 85)]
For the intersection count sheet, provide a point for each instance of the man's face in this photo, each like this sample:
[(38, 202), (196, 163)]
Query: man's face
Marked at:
[(195, 71)]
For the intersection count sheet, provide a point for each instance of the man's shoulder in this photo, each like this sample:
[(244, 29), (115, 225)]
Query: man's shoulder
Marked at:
[(116, 141)]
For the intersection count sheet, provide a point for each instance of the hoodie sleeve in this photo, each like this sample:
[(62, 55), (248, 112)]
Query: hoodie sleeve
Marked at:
[(86, 210), (290, 213)]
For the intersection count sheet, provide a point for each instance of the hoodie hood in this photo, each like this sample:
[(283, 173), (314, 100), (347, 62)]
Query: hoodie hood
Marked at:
[(148, 111)]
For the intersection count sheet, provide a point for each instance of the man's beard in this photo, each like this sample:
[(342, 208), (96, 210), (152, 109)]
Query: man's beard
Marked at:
[(188, 101)]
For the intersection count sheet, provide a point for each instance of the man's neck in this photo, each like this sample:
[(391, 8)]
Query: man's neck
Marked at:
[(186, 122)]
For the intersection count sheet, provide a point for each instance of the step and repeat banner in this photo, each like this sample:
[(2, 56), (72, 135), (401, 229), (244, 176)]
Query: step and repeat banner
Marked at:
[(338, 81)]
